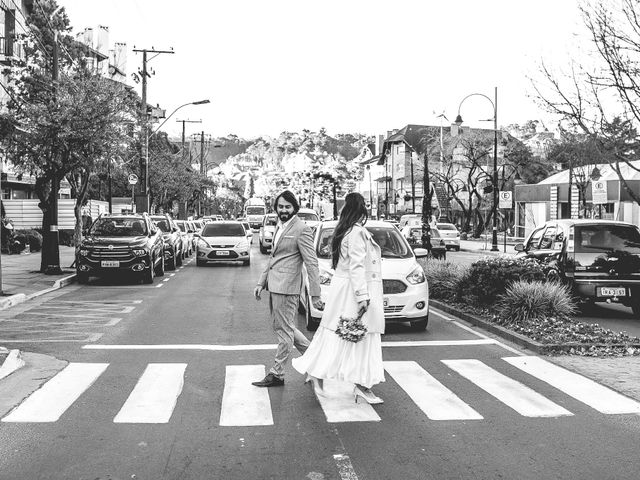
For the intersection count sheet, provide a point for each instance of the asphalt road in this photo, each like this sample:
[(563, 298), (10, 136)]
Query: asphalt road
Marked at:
[(158, 387)]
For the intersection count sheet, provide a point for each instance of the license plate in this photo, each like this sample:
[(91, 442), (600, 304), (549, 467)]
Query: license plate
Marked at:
[(613, 292), (385, 302), (222, 253), (109, 263)]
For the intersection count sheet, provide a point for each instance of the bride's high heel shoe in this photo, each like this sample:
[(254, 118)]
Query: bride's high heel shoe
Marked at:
[(367, 395), (316, 383)]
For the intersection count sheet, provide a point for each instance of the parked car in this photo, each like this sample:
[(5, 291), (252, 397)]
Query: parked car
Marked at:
[(172, 241), (413, 234), (598, 259), (224, 241), (309, 216), (451, 235), (411, 220), (405, 288), (267, 229), (186, 235), (118, 244)]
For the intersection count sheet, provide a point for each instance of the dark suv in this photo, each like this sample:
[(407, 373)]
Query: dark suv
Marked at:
[(172, 240), (598, 259), (119, 243)]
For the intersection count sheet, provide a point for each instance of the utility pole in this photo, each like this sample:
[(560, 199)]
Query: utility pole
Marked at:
[(142, 199), (183, 132)]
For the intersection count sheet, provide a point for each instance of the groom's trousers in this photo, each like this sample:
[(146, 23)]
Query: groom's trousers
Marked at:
[(283, 310)]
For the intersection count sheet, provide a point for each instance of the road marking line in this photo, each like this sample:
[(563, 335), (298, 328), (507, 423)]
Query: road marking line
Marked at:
[(439, 343), (431, 396), (97, 302), (155, 395), (166, 279), (478, 334), (49, 402), (158, 286), (597, 396), (512, 393), (172, 275), (244, 404), (338, 403), (96, 311), (345, 468), (91, 316)]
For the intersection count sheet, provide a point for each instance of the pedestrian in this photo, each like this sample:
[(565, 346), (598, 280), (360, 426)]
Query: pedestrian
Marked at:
[(292, 247), (356, 289)]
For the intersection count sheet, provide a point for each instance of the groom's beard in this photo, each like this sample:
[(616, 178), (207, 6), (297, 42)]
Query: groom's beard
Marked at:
[(285, 217)]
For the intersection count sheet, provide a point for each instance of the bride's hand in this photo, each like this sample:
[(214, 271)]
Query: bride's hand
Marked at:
[(363, 306)]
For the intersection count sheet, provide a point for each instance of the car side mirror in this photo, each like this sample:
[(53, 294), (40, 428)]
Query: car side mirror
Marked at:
[(519, 247), (196, 234), (421, 252)]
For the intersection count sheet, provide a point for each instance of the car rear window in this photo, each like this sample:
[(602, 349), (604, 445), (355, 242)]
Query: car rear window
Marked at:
[(223, 230), (308, 216), (446, 226), (391, 242), (607, 238), (270, 220)]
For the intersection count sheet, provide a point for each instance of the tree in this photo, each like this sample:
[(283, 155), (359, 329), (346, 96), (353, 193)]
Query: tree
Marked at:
[(59, 128), (602, 101)]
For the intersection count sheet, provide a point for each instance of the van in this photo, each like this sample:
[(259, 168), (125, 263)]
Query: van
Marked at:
[(598, 259)]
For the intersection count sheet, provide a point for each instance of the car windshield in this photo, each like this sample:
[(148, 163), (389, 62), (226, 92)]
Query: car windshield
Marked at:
[(223, 230), (255, 210), (607, 238), (118, 227), (308, 216), (245, 225), (391, 242), (270, 221), (446, 226), (162, 224)]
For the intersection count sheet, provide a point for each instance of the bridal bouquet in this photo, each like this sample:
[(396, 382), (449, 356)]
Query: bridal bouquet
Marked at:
[(351, 329)]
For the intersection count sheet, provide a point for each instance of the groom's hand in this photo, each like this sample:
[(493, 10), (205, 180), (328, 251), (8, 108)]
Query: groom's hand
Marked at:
[(317, 303), (257, 291)]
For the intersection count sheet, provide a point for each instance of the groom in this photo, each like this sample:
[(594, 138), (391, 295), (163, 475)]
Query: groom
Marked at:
[(292, 246)]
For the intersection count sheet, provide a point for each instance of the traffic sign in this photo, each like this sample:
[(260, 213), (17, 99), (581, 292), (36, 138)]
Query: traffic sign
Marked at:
[(133, 179), (599, 191), (505, 199)]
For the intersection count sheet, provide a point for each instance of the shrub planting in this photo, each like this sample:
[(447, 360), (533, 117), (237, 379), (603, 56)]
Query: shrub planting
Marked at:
[(489, 277), (443, 277), (525, 301), (31, 238)]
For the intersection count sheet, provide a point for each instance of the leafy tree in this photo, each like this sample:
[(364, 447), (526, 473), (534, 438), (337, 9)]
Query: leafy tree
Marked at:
[(56, 129)]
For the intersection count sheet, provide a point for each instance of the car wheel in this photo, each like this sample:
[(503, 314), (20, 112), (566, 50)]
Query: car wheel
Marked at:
[(246, 262), (148, 275), (171, 265), (457, 248), (200, 263), (160, 268), (312, 322), (262, 249), (82, 278), (635, 307), (178, 257), (420, 325)]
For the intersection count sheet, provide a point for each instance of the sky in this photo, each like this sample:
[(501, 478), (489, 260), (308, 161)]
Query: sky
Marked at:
[(350, 66)]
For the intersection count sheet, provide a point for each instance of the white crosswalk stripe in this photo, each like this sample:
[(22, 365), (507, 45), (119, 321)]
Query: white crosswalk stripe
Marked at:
[(583, 389), (242, 403), (58, 394), (155, 396), (510, 392), (433, 398)]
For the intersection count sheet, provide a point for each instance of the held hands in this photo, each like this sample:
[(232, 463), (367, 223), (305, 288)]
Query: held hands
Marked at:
[(317, 303), (257, 291)]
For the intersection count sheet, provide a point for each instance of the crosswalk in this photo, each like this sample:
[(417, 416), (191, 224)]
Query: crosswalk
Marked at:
[(157, 392)]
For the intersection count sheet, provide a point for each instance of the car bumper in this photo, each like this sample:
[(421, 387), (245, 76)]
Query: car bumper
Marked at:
[(222, 254), (98, 267), (408, 306)]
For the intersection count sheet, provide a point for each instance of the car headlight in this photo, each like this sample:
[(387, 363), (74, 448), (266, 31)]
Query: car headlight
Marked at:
[(325, 277), (203, 243), (242, 244), (139, 252), (268, 234), (84, 252), (417, 276)]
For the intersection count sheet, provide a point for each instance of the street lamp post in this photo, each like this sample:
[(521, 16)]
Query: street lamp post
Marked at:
[(142, 205), (458, 121)]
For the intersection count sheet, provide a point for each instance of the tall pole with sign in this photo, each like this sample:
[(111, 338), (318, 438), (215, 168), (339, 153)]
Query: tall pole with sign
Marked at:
[(506, 202), (133, 179)]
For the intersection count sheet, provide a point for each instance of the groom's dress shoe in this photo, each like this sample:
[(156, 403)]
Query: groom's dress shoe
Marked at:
[(269, 381)]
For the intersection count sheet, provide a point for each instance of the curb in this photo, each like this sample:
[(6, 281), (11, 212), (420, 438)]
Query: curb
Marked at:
[(13, 362), (19, 298)]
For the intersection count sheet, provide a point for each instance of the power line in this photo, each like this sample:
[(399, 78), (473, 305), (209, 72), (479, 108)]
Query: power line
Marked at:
[(54, 30)]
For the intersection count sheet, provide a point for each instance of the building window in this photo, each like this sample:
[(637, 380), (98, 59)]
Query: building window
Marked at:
[(6, 193), (19, 194)]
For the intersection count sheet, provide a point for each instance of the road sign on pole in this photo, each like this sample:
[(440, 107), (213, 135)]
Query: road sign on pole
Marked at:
[(506, 199), (599, 191), (133, 179)]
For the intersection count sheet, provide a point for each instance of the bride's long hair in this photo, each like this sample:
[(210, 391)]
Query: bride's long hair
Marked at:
[(354, 210)]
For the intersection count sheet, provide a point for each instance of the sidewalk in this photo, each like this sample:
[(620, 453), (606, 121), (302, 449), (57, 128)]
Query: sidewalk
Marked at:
[(484, 246)]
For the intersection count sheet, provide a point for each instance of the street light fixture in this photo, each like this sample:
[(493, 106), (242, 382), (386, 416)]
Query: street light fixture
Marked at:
[(458, 121), (143, 200)]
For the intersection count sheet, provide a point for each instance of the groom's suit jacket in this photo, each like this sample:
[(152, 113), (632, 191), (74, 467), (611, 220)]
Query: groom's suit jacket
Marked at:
[(284, 270)]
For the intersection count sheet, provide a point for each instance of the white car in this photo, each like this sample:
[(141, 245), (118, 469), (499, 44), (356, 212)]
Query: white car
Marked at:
[(450, 235), (309, 216), (406, 292), (267, 229), (224, 241)]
